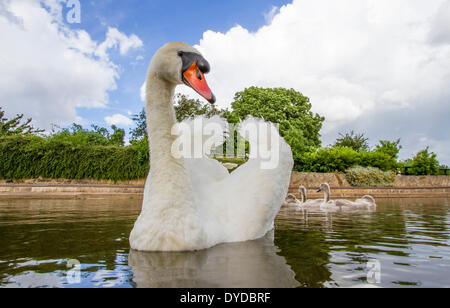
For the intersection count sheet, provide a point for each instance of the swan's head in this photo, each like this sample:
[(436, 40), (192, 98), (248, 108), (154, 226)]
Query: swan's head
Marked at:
[(180, 63), (369, 198), (324, 187), (290, 197)]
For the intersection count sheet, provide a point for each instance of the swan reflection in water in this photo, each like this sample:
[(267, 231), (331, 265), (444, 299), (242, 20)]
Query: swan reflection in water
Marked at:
[(252, 264)]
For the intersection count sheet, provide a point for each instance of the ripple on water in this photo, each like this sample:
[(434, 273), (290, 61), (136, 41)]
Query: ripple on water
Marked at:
[(404, 243)]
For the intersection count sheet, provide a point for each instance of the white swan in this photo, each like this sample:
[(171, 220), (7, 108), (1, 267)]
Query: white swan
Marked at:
[(308, 203), (369, 200), (291, 201), (194, 204), (366, 202)]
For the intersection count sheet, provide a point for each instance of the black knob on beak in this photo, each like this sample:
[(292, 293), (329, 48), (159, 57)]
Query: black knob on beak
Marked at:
[(203, 65), (212, 100)]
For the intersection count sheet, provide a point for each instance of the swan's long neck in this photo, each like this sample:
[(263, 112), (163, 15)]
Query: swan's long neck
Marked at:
[(303, 195), (164, 168), (326, 196), (161, 118)]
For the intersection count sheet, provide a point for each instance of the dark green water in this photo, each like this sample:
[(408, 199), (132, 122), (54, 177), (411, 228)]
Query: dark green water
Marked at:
[(404, 243)]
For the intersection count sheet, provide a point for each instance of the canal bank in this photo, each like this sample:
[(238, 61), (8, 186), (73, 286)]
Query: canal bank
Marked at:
[(404, 187)]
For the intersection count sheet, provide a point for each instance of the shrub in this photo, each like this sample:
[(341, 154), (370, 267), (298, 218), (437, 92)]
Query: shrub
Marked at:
[(444, 170), (77, 135), (339, 159), (327, 160), (31, 157), (379, 160), (369, 176), (392, 148), (352, 140), (424, 163)]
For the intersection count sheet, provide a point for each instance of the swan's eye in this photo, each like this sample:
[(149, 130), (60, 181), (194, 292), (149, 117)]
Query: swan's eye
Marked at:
[(180, 53), (199, 76)]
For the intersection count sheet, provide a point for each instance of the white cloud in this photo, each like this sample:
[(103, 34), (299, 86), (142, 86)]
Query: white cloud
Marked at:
[(116, 38), (48, 70), (440, 29), (353, 58), (119, 120)]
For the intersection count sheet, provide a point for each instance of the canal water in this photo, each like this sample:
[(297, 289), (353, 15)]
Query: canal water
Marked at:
[(79, 243)]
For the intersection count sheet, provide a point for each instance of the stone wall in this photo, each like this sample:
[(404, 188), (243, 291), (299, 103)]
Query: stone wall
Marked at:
[(339, 180), (42, 181), (422, 181), (405, 187), (298, 178)]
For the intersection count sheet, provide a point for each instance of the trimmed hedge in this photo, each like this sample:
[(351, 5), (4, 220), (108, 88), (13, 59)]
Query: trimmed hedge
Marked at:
[(339, 159), (24, 157)]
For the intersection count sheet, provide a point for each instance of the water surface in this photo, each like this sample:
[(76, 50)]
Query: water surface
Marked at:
[(84, 243)]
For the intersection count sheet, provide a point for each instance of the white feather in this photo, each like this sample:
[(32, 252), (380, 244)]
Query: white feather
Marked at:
[(193, 204)]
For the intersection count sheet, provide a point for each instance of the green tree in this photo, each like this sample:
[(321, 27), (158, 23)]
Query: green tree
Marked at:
[(392, 148), (117, 137), (9, 127), (352, 140), (186, 108), (285, 107), (76, 135), (425, 163), (140, 131)]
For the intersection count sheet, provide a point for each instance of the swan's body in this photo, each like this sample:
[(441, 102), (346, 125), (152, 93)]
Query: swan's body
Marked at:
[(366, 202), (194, 204)]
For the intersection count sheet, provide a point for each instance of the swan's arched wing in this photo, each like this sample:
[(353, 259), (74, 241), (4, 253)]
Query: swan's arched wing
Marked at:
[(205, 134), (250, 198), (242, 205)]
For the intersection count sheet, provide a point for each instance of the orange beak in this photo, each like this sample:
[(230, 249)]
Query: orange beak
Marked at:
[(194, 78)]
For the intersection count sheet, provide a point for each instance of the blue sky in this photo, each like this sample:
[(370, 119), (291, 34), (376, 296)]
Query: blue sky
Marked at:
[(376, 67), (156, 22)]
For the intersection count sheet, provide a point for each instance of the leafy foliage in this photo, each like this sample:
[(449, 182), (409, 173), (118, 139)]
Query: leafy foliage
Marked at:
[(77, 135), (392, 148), (32, 157), (424, 163), (9, 127), (444, 170), (286, 107), (369, 176), (352, 140), (186, 108), (339, 159), (100, 153), (140, 131)]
